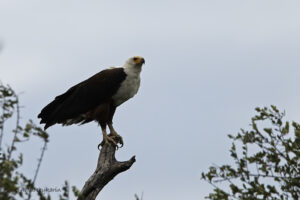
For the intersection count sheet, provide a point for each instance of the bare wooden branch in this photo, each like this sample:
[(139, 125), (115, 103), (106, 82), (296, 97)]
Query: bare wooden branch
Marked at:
[(107, 168)]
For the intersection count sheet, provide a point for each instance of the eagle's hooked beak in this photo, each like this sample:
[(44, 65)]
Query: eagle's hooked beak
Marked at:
[(139, 60)]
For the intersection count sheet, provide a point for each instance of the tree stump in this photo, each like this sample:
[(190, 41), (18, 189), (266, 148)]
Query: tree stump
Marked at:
[(107, 168)]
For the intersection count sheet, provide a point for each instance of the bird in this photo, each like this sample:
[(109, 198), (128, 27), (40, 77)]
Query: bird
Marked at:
[(96, 99)]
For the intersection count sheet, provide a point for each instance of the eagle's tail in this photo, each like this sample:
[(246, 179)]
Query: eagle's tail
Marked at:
[(50, 113)]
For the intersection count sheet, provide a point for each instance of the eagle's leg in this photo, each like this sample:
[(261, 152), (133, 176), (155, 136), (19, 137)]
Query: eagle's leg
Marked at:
[(101, 114), (106, 138), (110, 126), (114, 133)]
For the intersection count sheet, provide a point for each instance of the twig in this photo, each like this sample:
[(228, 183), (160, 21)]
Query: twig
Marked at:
[(38, 166), (2, 129), (12, 146)]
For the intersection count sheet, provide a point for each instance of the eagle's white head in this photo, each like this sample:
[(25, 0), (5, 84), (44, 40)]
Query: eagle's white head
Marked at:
[(136, 60), (134, 64)]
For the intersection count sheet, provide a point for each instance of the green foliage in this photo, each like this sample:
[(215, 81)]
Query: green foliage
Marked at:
[(76, 192), (267, 161), (137, 197), (13, 183), (65, 194)]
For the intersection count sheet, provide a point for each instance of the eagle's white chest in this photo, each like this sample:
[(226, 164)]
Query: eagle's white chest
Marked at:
[(129, 87)]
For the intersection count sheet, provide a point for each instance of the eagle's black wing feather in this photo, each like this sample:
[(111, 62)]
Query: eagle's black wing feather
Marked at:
[(83, 97)]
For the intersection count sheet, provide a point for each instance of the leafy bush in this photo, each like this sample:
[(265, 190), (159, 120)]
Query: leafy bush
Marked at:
[(267, 161)]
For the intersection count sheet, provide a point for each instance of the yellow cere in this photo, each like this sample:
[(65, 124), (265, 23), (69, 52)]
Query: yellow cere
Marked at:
[(138, 59)]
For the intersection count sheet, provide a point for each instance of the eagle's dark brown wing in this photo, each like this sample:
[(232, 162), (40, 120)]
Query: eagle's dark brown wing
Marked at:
[(83, 97)]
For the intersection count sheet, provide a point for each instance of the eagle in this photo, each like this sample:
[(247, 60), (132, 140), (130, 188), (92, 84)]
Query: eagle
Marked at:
[(96, 99)]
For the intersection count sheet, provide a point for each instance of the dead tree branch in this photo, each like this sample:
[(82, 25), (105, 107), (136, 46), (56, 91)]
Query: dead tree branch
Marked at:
[(107, 168)]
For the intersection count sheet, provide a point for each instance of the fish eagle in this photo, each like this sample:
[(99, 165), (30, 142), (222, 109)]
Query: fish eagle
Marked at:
[(96, 99)]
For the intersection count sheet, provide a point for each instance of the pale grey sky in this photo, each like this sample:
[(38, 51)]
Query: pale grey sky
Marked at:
[(208, 65)]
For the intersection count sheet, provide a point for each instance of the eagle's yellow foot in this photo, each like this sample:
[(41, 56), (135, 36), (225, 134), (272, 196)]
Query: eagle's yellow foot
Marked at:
[(114, 133), (108, 139), (117, 137)]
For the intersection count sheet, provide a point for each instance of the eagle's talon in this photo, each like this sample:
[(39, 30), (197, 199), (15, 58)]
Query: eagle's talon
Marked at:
[(117, 138), (106, 140), (121, 141), (111, 140)]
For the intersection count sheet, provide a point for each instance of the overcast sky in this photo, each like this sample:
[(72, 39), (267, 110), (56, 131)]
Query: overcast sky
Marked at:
[(208, 65)]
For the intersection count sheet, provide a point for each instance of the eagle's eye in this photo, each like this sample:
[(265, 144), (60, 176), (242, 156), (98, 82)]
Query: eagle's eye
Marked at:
[(135, 58)]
